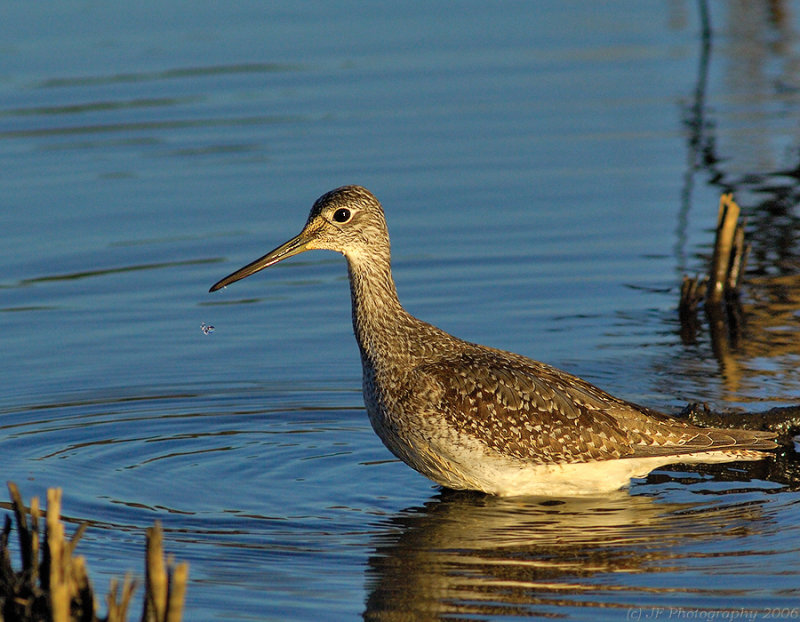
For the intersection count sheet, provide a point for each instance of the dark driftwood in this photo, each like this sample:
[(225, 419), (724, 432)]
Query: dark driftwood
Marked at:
[(53, 585), (783, 420)]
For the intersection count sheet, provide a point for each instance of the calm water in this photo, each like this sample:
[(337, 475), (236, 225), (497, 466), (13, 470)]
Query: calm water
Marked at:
[(550, 170)]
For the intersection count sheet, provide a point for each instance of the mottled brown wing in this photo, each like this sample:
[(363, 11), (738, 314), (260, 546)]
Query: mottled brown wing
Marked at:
[(537, 413)]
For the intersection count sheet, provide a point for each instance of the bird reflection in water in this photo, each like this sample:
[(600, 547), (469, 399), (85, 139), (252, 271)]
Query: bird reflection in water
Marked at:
[(464, 553)]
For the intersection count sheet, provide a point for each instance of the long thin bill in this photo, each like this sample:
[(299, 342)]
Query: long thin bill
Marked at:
[(295, 246)]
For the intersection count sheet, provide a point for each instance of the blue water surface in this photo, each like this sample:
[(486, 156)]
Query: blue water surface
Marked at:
[(549, 171)]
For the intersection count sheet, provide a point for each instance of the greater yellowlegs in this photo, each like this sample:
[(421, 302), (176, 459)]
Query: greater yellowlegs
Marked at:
[(472, 417)]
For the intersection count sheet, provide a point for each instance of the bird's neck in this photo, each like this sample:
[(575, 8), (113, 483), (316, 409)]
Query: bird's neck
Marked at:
[(381, 325)]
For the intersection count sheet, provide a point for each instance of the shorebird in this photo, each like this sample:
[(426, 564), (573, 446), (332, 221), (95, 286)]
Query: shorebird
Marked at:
[(472, 417)]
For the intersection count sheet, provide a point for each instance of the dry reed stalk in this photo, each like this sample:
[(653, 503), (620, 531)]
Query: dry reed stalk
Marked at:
[(720, 290), (728, 246), (57, 588)]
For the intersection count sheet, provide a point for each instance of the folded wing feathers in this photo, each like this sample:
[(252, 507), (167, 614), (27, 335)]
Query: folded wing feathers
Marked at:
[(540, 414)]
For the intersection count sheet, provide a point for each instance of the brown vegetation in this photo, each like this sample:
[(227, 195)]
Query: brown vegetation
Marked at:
[(53, 584)]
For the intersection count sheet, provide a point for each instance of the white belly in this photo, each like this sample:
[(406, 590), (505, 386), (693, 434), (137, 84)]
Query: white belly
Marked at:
[(503, 478)]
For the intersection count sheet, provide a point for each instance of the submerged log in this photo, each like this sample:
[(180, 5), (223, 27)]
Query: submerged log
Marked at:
[(53, 584), (784, 420)]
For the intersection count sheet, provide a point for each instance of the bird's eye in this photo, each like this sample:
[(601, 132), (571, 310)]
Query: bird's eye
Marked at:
[(341, 215)]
